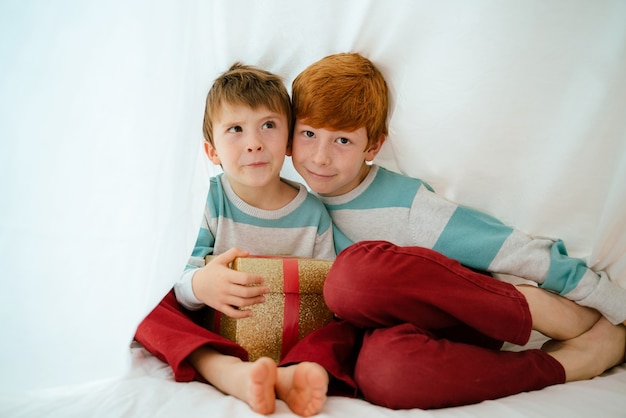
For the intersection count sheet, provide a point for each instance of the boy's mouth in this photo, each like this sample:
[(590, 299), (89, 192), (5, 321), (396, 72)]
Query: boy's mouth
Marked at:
[(319, 176), (256, 164)]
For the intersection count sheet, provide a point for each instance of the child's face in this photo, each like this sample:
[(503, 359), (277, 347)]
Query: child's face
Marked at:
[(250, 144), (331, 162)]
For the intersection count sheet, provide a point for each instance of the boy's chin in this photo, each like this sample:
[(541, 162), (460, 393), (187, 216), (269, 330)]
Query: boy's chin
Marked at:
[(324, 191)]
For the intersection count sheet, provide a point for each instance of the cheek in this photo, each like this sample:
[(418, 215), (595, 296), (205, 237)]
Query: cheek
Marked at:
[(350, 163), (296, 162), (297, 153)]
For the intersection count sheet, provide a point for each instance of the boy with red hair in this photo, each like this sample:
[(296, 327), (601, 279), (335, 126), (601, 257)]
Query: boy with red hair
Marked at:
[(419, 328)]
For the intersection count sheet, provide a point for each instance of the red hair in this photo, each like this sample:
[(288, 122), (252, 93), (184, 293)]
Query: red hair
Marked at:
[(342, 92)]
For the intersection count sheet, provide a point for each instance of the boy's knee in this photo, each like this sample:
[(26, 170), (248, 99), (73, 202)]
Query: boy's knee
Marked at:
[(351, 277), (359, 264)]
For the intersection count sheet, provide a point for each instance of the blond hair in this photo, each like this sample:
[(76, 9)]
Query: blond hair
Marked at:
[(249, 86)]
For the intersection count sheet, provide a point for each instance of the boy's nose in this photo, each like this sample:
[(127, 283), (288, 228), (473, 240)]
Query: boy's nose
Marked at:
[(320, 156), (254, 143)]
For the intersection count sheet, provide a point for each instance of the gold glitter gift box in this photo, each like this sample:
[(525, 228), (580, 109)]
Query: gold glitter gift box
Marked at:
[(293, 309)]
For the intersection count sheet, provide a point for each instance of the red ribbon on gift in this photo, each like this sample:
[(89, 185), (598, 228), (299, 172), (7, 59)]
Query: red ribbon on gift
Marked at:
[(291, 315)]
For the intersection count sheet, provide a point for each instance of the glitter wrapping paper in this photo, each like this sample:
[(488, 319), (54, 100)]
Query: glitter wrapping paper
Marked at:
[(294, 307)]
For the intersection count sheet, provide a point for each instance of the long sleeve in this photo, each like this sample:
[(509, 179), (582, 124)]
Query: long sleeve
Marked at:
[(405, 211), (302, 228), (481, 241), (203, 247)]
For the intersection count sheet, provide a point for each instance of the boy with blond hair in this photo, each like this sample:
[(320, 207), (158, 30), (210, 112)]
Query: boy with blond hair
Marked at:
[(250, 209)]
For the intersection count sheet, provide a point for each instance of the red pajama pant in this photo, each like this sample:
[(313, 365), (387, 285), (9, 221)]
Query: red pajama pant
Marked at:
[(170, 333), (419, 330)]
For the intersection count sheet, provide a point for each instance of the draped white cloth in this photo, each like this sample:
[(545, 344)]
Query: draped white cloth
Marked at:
[(515, 108)]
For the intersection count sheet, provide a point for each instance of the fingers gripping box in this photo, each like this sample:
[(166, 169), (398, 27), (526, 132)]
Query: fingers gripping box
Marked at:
[(293, 309)]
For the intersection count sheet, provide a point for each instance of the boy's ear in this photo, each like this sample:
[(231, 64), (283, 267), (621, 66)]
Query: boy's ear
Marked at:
[(288, 151), (211, 153), (373, 150)]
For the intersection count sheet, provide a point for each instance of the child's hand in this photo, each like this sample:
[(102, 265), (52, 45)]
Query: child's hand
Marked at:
[(225, 289)]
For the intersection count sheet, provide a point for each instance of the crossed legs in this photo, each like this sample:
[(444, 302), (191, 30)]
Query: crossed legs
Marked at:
[(409, 297)]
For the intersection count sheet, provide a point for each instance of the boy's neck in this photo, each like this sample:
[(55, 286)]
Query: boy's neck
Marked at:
[(272, 196)]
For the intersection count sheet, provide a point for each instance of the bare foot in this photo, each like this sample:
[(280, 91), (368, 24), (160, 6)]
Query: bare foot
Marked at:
[(555, 316), (252, 382), (303, 387), (261, 391), (592, 353)]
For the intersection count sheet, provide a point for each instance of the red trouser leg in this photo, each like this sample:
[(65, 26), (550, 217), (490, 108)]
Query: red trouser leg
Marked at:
[(335, 347), (170, 334), (412, 300), (377, 284), (403, 367)]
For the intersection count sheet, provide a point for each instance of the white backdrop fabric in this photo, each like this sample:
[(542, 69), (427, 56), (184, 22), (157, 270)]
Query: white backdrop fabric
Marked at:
[(515, 108)]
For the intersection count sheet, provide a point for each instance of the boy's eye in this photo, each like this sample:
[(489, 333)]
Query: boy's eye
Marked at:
[(309, 134), (235, 129), (269, 125), (343, 141)]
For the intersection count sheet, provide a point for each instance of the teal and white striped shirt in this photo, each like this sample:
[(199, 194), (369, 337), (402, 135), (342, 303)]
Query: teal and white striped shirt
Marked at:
[(301, 228), (405, 211)]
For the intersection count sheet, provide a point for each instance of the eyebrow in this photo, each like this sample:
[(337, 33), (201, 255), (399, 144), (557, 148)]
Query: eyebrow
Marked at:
[(274, 115), (339, 132), (265, 116)]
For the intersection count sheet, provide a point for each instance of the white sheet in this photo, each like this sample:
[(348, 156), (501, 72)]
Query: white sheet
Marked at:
[(515, 108), (150, 391)]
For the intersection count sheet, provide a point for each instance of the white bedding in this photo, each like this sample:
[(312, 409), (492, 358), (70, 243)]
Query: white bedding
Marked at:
[(515, 108), (150, 391)]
